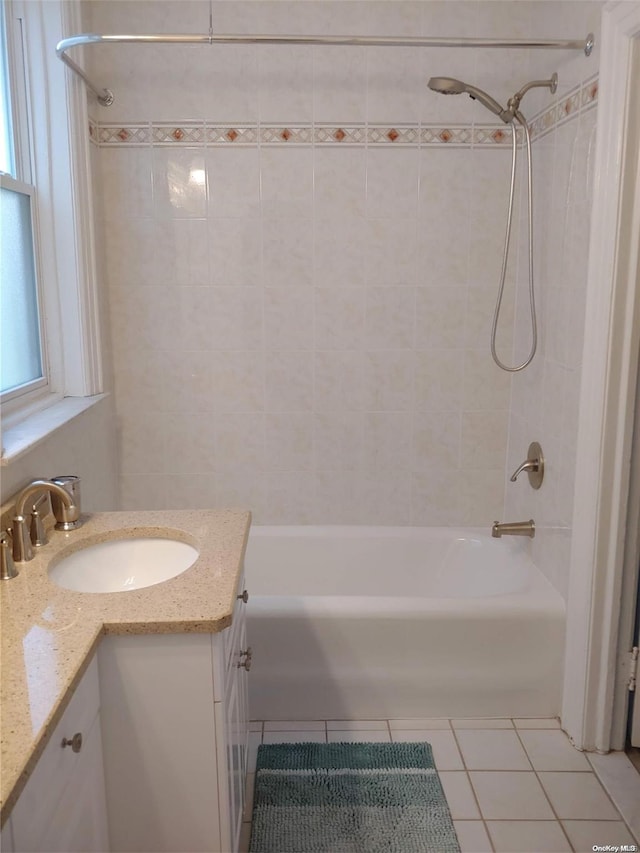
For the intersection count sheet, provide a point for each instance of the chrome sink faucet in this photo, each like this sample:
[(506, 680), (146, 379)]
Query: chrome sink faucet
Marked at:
[(66, 508)]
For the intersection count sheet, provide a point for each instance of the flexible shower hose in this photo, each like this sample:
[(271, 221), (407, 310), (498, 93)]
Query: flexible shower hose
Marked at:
[(505, 258)]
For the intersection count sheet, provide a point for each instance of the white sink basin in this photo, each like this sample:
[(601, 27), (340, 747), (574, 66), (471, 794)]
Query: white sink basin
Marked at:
[(121, 565)]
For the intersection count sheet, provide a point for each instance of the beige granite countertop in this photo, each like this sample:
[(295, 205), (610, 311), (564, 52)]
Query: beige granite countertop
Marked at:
[(49, 634)]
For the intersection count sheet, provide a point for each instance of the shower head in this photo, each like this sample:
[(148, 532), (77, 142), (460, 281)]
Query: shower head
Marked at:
[(450, 86), (446, 85)]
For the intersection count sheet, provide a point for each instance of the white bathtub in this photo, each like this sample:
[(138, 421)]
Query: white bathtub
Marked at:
[(371, 623)]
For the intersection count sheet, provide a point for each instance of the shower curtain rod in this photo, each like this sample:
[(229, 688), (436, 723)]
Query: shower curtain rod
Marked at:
[(105, 96)]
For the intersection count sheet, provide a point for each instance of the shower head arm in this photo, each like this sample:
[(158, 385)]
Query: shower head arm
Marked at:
[(551, 84), (513, 104)]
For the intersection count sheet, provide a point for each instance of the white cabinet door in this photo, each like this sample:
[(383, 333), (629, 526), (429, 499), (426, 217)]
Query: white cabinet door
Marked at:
[(232, 729), (63, 805), (79, 824), (160, 743)]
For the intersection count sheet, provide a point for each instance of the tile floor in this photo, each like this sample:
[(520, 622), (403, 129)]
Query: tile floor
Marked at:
[(513, 786)]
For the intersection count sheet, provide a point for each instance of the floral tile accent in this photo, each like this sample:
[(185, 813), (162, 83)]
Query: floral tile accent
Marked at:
[(430, 135), (492, 135), (238, 135), (291, 135), (183, 134), (395, 135), (114, 134), (589, 94), (345, 135)]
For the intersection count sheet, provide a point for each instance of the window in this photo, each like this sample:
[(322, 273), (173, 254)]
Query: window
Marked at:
[(22, 363), (50, 346)]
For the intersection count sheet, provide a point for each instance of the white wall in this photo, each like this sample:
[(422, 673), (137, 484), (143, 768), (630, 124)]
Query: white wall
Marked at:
[(545, 396), (306, 332), (86, 447)]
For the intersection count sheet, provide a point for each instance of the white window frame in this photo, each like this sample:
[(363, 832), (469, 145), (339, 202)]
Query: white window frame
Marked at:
[(51, 124)]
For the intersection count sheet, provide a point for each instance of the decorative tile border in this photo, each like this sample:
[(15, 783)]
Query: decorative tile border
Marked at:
[(578, 100), (572, 104)]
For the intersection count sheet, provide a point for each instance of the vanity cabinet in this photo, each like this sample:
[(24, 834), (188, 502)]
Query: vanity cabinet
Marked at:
[(63, 805), (162, 766), (175, 730)]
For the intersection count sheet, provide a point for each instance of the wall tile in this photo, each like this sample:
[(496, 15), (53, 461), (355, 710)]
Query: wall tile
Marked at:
[(189, 491), (440, 317), (436, 441), (189, 443), (181, 255), (389, 318), (288, 249), (230, 91), (186, 381), (242, 489), (279, 100), (288, 318), (179, 183), (386, 497), (235, 252), (287, 182), (237, 381), (339, 377), (289, 381), (484, 437), (438, 379), (289, 441), (289, 498), (436, 497), (142, 491), (340, 251), (392, 183), (394, 85), (313, 322), (338, 442), (481, 497), (339, 498), (392, 253), (339, 317), (127, 183), (486, 387), (340, 84), (233, 176), (141, 442), (387, 441), (388, 381), (239, 441), (236, 318), (339, 182)]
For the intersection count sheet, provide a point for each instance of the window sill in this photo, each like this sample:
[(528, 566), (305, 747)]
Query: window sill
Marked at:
[(19, 438)]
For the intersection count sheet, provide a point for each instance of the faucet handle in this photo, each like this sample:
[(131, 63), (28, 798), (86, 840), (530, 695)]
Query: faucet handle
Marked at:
[(36, 529), (533, 465), (7, 566), (67, 518)]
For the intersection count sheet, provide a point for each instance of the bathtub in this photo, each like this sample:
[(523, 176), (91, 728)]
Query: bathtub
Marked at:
[(376, 623)]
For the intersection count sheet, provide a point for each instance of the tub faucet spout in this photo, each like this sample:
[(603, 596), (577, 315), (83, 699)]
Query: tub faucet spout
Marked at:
[(514, 528)]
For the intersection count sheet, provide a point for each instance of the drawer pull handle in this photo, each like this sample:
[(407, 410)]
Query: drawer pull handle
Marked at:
[(246, 663), (244, 596), (75, 742)]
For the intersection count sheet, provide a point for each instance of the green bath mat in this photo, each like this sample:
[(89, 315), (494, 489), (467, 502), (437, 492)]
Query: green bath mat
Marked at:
[(349, 798)]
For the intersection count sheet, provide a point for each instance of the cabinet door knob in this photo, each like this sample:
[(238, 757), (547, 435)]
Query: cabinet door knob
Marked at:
[(244, 596), (75, 742)]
